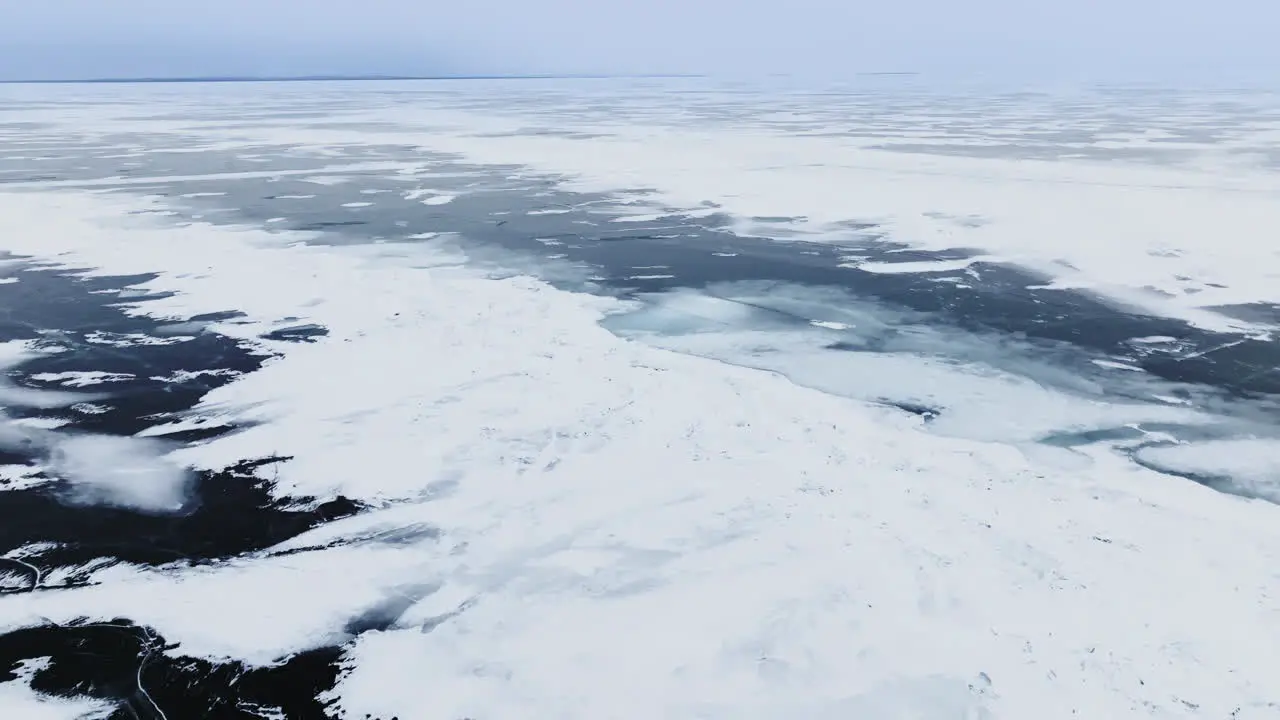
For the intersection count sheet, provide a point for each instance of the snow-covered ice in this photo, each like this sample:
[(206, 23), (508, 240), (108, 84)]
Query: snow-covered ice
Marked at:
[(85, 378), (1177, 236), (1253, 465), (429, 197), (624, 531), (20, 701), (582, 507)]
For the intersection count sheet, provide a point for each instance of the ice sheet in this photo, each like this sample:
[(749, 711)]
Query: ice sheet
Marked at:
[(1170, 240), (622, 531), (1160, 201)]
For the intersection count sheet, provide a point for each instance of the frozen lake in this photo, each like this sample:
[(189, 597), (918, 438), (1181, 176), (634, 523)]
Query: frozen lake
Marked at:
[(643, 398)]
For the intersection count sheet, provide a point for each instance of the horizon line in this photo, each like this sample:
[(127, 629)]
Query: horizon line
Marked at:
[(331, 78)]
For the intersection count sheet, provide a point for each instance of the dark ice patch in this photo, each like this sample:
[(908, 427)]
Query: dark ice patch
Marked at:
[(232, 513), (148, 679), (66, 310), (297, 333)]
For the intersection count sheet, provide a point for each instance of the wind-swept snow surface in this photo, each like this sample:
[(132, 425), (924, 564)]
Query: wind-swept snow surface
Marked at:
[(576, 525)]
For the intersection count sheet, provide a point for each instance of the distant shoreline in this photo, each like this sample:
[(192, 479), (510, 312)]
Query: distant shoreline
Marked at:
[(321, 78)]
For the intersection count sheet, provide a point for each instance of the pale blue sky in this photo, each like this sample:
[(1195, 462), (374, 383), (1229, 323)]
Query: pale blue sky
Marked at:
[(1060, 39)]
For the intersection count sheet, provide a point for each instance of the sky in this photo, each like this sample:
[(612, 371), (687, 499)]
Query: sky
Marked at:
[(1170, 40)]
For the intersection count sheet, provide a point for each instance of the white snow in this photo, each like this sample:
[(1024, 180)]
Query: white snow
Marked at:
[(1251, 465), (1173, 239), (830, 324), (90, 408), (124, 340), (256, 610), (121, 182), (20, 477), (887, 268), (19, 701), (120, 471), (13, 395), (430, 197), (41, 423), (82, 378), (327, 179), (1176, 236), (13, 352), (1117, 365), (178, 376), (638, 218), (622, 531), (357, 204)]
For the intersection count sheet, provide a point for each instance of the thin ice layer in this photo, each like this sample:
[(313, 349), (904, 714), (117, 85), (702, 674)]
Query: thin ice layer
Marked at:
[(1250, 466)]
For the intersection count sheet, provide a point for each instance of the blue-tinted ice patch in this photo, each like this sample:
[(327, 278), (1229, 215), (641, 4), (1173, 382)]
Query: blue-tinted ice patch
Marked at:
[(1245, 466)]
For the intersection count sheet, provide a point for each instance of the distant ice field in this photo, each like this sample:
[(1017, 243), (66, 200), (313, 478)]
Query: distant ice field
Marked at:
[(638, 399)]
